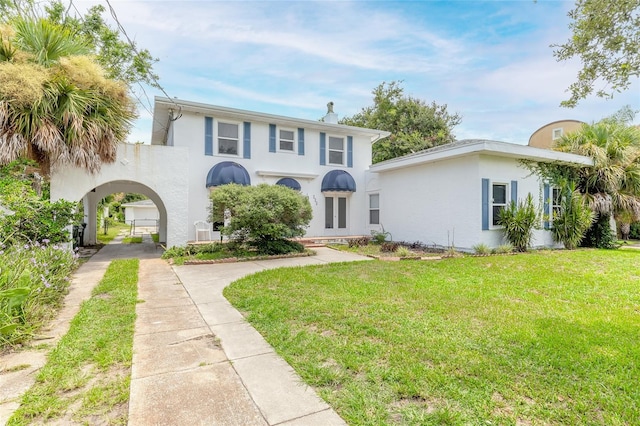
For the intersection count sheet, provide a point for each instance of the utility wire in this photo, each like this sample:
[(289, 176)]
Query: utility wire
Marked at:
[(133, 46)]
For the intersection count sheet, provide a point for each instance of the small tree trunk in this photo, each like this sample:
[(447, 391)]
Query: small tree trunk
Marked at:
[(625, 230)]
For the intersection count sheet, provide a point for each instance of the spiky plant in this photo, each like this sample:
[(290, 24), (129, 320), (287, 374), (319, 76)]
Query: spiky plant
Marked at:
[(612, 185)]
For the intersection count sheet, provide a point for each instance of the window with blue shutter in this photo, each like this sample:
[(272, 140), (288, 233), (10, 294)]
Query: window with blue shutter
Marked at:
[(323, 148), (485, 204), (208, 136), (349, 151), (514, 191), (300, 141), (246, 139), (272, 138), (546, 209)]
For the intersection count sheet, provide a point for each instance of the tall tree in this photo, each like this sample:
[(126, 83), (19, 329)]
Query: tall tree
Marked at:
[(414, 124), (606, 38), (56, 105), (120, 58), (612, 185)]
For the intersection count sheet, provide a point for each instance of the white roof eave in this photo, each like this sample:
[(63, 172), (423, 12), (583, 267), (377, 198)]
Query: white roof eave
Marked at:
[(164, 105), (471, 147)]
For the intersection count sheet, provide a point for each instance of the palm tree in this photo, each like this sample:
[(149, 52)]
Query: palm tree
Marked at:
[(612, 185), (56, 106)]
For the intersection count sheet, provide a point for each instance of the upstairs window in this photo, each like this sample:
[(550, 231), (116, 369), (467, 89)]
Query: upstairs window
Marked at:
[(499, 201), (336, 150), (286, 140), (556, 134), (227, 138)]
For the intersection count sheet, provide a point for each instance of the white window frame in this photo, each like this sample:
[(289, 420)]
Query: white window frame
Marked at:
[(376, 208), (493, 219), (557, 133), (341, 151), (555, 204), (280, 140), (239, 138)]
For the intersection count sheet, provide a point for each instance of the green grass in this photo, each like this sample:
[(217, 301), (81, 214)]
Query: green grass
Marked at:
[(132, 239), (112, 232), (87, 375), (155, 237), (540, 338)]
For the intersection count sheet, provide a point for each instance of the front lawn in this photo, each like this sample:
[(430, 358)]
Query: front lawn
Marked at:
[(539, 338)]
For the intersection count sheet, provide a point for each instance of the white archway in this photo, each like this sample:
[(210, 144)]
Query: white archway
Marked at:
[(159, 172)]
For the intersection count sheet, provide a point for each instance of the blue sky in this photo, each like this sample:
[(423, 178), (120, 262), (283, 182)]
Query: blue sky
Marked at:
[(488, 61)]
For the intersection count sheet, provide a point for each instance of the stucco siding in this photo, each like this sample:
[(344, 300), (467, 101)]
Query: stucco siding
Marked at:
[(268, 167), (436, 204), (155, 171)]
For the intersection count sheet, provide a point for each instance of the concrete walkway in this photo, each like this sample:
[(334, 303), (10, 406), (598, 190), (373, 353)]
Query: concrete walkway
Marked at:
[(197, 361)]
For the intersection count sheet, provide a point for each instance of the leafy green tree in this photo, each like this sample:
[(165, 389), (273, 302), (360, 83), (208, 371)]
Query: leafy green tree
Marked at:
[(263, 216), (56, 105), (31, 218), (414, 124), (606, 38)]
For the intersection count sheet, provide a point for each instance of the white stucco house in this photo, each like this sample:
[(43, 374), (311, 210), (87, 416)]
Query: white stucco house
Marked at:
[(442, 196)]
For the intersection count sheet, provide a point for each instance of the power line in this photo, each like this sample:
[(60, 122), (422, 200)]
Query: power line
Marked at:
[(133, 47)]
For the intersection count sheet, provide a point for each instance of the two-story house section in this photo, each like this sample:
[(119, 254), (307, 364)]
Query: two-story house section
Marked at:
[(324, 160)]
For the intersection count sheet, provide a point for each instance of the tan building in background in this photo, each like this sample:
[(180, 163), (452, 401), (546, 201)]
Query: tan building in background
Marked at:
[(546, 135)]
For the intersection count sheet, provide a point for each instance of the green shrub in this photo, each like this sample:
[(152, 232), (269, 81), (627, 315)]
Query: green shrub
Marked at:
[(379, 237), (263, 216), (519, 220), (504, 249), (481, 249), (599, 234), (274, 247), (403, 252), (33, 281), (634, 233), (572, 222)]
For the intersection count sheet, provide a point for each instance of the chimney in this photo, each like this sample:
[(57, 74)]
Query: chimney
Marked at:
[(331, 116)]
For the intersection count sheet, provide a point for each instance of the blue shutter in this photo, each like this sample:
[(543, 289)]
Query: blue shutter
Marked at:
[(246, 148), (546, 209), (349, 151), (323, 148), (300, 141), (272, 138), (514, 191), (208, 136), (485, 204)]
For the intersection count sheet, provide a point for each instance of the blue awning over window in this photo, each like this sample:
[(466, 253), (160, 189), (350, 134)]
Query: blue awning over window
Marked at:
[(338, 180), (289, 183), (227, 172)]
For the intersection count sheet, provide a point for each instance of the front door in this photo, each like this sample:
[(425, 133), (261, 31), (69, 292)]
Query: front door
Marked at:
[(335, 215)]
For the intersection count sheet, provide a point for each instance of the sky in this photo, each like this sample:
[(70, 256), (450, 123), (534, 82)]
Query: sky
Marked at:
[(491, 62)]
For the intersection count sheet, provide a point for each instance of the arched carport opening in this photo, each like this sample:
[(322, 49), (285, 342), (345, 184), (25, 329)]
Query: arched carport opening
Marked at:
[(91, 199)]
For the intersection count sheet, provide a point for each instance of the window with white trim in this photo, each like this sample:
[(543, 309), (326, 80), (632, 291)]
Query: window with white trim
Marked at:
[(555, 202), (336, 150), (287, 140), (498, 201), (228, 138), (374, 209), (556, 133)]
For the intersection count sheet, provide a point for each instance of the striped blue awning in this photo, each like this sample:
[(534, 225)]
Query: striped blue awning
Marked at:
[(227, 172)]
